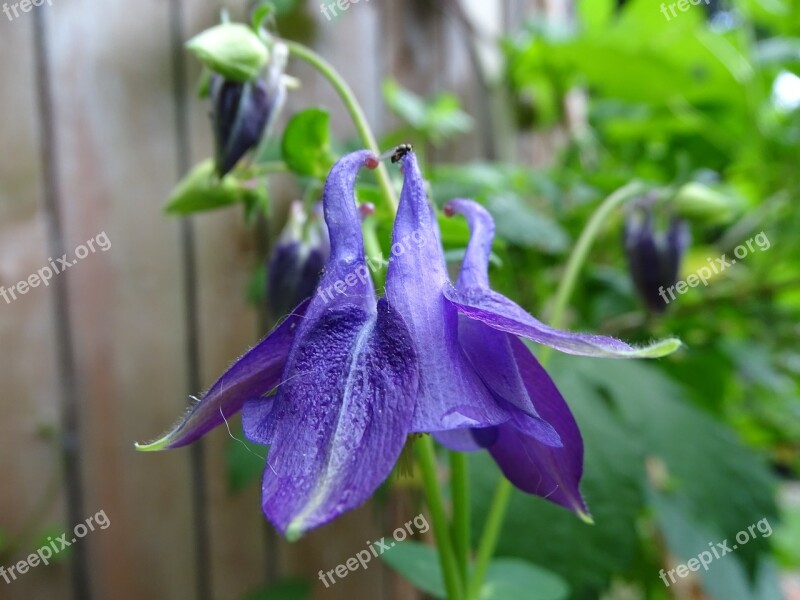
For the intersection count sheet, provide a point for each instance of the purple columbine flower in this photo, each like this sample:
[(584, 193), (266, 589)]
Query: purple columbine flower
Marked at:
[(354, 376), (654, 257), (479, 385), (345, 371)]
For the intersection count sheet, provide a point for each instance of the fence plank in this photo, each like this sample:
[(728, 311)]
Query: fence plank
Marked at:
[(31, 501), (126, 302)]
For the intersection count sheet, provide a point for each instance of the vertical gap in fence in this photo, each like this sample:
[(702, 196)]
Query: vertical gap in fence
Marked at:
[(65, 352), (192, 345)]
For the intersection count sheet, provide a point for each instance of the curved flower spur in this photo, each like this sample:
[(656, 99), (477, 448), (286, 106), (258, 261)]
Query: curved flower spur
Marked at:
[(346, 377), (480, 386)]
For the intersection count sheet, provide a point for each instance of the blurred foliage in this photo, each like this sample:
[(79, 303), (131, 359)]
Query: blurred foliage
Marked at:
[(432, 120), (506, 579), (290, 589)]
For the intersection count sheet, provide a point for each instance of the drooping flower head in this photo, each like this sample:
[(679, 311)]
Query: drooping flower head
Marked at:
[(338, 386), (346, 378), (654, 257), (480, 386)]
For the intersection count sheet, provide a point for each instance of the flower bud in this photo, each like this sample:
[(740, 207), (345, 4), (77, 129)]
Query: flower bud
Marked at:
[(241, 113), (654, 257), (299, 256), (231, 49), (297, 260), (698, 201)]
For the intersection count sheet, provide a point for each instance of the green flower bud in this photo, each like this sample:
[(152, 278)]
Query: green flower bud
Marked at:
[(699, 202), (203, 190), (231, 49)]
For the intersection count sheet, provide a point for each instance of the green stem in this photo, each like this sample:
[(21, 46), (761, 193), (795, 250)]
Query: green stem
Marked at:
[(353, 107), (566, 287), (459, 484), (491, 533), (261, 169), (581, 251), (426, 455)]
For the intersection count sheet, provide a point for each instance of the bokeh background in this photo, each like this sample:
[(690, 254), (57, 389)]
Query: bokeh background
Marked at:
[(538, 109)]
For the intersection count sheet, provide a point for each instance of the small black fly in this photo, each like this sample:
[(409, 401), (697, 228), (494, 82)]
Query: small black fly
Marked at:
[(400, 152)]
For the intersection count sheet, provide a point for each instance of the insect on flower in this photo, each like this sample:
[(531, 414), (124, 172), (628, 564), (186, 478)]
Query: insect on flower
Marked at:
[(400, 152)]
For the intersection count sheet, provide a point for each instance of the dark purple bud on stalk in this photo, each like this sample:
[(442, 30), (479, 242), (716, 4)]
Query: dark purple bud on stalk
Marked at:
[(297, 260), (299, 256), (654, 257), (241, 112)]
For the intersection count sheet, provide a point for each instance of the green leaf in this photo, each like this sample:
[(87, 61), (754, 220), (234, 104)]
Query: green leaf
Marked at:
[(595, 14), (418, 563), (787, 539), (306, 143), (515, 579), (689, 538), (244, 461), (506, 578), (202, 190), (706, 464), (256, 201), (231, 49), (261, 13), (290, 589)]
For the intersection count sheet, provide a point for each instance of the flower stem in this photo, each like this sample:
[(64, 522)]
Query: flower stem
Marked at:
[(426, 455), (459, 483), (581, 251), (491, 533), (353, 107), (564, 292), (261, 169)]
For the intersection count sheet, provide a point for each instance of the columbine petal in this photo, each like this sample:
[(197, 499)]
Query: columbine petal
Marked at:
[(553, 473), (252, 376), (451, 395), (475, 300), (343, 411), (491, 354), (341, 417)]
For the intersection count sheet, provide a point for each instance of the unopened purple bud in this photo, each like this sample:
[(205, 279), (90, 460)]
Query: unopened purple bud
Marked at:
[(654, 257), (296, 262), (241, 112)]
